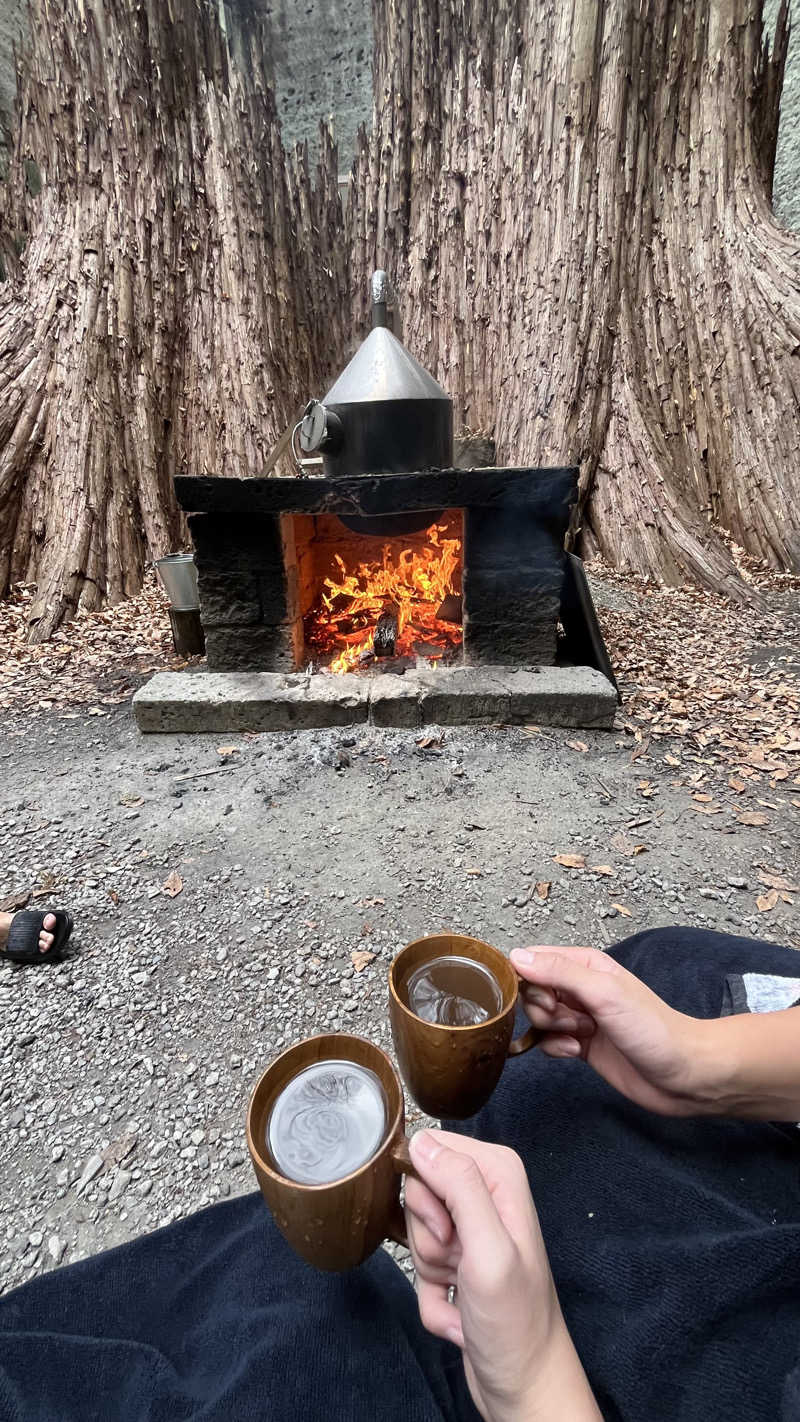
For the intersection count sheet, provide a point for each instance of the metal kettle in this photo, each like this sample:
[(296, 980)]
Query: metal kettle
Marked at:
[(384, 415)]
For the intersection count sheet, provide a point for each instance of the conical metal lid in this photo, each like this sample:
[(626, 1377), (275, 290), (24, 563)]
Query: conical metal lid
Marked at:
[(382, 369)]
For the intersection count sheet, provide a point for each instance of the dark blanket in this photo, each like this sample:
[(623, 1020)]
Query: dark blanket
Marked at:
[(675, 1246)]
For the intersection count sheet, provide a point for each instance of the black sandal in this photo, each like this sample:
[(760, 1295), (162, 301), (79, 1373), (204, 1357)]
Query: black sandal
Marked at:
[(23, 935)]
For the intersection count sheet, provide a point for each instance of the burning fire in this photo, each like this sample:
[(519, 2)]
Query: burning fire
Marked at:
[(408, 588)]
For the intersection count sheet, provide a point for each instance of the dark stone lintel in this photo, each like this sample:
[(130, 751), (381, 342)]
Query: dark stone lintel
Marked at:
[(548, 493)]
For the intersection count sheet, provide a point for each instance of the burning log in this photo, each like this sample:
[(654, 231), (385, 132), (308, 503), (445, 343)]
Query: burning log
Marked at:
[(385, 635), (450, 609)]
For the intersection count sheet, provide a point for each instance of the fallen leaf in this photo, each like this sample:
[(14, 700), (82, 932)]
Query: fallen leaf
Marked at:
[(474, 873), (578, 746), (672, 760), (787, 898), (737, 785), (360, 958), (707, 809), (15, 902), (118, 1150), (704, 799), (641, 750), (765, 902), (601, 869), (751, 817), (114, 896), (777, 881), (543, 889), (424, 742), (131, 801), (646, 789), (626, 913), (571, 861), (97, 711), (622, 842), (172, 885), (227, 750)]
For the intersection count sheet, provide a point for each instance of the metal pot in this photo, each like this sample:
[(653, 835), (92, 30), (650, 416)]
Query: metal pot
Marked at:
[(179, 575), (384, 415)]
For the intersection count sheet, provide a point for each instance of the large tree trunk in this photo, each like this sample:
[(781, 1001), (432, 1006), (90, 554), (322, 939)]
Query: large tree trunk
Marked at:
[(574, 202), (163, 315)]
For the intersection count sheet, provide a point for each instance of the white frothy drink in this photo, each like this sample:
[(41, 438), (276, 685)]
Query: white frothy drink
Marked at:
[(327, 1121)]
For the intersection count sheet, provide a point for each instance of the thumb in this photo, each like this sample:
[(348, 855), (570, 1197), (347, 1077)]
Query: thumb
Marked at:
[(589, 976), (457, 1180)]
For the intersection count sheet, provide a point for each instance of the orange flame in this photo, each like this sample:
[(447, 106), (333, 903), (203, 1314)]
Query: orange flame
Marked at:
[(412, 583)]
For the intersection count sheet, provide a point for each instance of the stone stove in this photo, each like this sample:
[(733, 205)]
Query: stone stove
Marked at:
[(481, 645)]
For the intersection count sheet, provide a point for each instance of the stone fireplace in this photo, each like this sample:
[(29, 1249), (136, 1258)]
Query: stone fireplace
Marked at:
[(380, 584)]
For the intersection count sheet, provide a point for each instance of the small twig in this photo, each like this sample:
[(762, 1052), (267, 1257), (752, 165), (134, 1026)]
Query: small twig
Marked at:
[(195, 774)]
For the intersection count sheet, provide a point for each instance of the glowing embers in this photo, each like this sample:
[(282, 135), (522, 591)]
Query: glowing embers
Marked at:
[(406, 604)]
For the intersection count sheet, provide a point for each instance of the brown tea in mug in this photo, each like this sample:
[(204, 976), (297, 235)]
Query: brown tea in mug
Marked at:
[(453, 991), (328, 1121)]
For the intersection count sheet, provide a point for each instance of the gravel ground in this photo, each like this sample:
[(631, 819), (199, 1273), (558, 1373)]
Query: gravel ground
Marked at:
[(128, 1067)]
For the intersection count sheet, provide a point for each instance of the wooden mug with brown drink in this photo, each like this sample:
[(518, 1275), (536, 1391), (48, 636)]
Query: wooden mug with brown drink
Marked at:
[(326, 1134), (452, 1001)]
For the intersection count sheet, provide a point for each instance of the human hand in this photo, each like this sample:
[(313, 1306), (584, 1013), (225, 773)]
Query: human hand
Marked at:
[(589, 1006), (519, 1360)]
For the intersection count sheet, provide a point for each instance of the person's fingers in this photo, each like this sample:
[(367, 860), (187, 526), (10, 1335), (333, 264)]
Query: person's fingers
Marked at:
[(561, 1046), (560, 1019), (429, 1209), (590, 977), (455, 1177), (429, 1253), (538, 997), (438, 1315), (49, 922), (507, 1187)]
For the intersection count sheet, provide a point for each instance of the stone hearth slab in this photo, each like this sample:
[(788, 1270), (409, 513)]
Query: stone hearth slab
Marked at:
[(249, 701), (271, 701)]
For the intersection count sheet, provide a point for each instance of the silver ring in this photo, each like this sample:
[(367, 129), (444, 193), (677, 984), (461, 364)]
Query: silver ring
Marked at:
[(451, 1294)]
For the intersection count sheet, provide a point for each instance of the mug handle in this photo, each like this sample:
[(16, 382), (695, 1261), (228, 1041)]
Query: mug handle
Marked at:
[(529, 1039), (401, 1160)]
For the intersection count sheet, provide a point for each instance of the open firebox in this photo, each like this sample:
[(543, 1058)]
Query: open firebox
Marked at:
[(367, 600)]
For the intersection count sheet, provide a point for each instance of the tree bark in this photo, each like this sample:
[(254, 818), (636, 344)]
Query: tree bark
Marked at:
[(166, 314), (573, 200)]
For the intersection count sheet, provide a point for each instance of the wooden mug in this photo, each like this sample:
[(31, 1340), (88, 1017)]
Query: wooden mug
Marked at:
[(339, 1224), (452, 1071)]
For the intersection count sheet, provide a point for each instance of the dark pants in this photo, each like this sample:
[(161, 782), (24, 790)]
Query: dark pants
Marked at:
[(675, 1247)]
